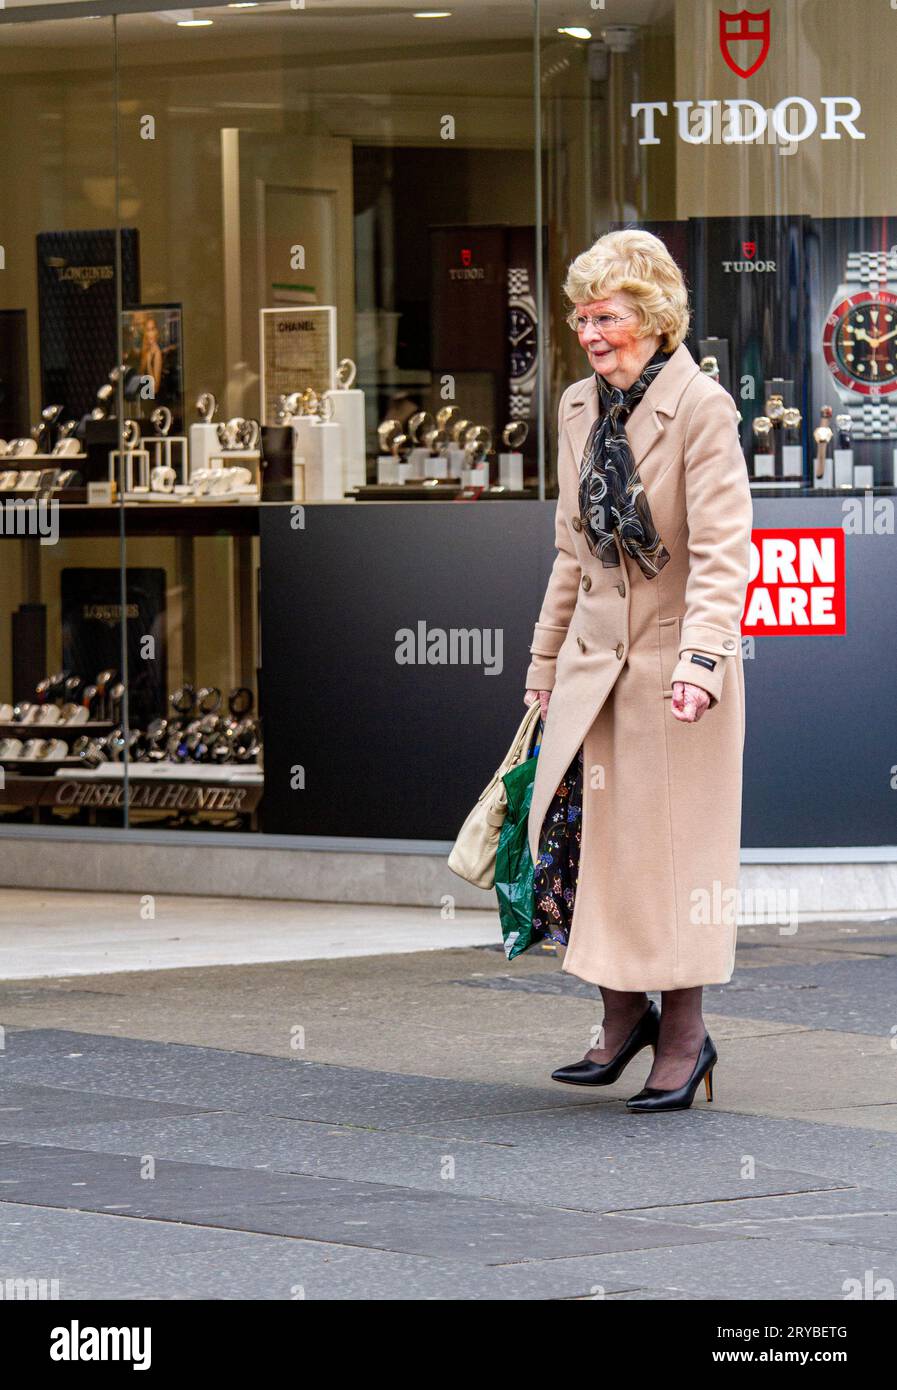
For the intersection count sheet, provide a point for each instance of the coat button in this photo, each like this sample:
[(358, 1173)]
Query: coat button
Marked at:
[(619, 649), (621, 589), (587, 581), (576, 523), (729, 645), (581, 644)]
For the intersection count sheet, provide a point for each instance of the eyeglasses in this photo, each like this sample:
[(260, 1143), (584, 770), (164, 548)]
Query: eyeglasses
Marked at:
[(578, 322)]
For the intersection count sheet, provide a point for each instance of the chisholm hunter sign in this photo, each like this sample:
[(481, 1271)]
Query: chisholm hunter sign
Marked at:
[(156, 796)]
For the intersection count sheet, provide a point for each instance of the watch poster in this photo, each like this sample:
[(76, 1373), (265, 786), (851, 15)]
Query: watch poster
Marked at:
[(748, 286), (91, 632), (78, 312), (860, 344), (484, 324), (298, 352), (152, 346)]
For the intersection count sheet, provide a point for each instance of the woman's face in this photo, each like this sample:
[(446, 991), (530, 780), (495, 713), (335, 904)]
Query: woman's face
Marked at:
[(614, 350), (151, 331)]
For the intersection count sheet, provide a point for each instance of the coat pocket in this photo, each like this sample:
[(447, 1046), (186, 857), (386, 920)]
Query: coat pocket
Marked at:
[(670, 630)]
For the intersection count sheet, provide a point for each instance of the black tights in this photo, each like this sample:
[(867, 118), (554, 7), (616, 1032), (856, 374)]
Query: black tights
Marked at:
[(682, 1031)]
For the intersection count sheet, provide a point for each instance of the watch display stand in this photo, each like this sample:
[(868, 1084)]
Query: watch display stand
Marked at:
[(475, 477), (419, 459), (135, 477), (322, 448), (317, 456), (204, 442), (792, 461), (863, 475), (456, 461), (764, 465), (718, 348), (843, 470), (348, 413), (510, 471), (387, 468), (170, 451)]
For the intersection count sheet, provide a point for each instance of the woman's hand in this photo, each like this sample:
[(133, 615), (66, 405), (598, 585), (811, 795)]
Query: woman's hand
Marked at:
[(689, 702), (543, 696)]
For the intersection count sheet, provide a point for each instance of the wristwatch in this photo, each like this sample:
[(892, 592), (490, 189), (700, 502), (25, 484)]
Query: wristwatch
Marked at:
[(523, 343), (859, 343)]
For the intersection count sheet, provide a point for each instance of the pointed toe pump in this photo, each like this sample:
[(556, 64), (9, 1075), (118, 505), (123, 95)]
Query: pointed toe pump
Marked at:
[(651, 1098), (588, 1073)]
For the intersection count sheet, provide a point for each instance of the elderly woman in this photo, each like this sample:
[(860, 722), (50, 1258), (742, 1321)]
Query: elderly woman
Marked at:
[(635, 821)]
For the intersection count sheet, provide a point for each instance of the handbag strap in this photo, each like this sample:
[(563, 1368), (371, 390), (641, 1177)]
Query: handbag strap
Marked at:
[(526, 734)]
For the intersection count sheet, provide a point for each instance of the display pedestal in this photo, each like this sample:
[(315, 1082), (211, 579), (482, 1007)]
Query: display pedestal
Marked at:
[(456, 461), (475, 477), (792, 461), (863, 475), (843, 468), (317, 460), (764, 465), (510, 471), (348, 413), (419, 462), (204, 442), (387, 465)]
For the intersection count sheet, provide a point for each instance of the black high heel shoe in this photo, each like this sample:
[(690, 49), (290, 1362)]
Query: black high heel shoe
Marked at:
[(588, 1073), (651, 1098)]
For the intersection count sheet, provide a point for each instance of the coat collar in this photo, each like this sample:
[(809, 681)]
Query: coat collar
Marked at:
[(647, 422)]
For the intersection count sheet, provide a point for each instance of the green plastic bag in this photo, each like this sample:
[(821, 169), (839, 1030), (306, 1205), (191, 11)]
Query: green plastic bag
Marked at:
[(514, 868)]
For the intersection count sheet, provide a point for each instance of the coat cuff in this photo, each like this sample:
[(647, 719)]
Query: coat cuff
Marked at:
[(713, 644), (547, 642), (696, 673)]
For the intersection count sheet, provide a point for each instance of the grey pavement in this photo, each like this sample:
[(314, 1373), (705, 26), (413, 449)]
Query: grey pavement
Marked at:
[(385, 1127)]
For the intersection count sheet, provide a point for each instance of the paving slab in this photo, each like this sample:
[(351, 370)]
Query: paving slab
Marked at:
[(592, 1180), (835, 1155), (219, 1080), (48, 1109), (881, 1116), (146, 1259), (355, 1213), (854, 995)]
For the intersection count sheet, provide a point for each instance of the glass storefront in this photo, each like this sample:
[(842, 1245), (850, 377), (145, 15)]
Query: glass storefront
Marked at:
[(291, 255)]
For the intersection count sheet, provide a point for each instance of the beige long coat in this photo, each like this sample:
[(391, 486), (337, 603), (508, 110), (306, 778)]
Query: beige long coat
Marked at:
[(656, 900)]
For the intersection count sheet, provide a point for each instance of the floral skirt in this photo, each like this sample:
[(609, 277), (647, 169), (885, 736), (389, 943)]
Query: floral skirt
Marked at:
[(556, 871)]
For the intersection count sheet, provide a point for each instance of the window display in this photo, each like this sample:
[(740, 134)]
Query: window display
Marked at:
[(290, 259)]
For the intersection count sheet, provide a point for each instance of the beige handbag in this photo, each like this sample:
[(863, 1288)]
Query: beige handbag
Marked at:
[(473, 855)]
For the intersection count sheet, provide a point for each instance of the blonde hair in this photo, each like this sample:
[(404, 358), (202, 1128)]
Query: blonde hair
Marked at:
[(636, 263)]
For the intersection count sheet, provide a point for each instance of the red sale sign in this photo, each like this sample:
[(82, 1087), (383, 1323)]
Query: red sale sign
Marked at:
[(796, 585)]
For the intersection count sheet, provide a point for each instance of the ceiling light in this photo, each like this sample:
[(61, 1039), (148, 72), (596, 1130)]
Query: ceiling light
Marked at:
[(194, 23), (574, 32), (432, 14), (242, 4)]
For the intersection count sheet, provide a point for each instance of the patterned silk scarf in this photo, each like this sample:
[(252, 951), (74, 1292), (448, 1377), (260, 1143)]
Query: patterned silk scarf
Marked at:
[(611, 496)]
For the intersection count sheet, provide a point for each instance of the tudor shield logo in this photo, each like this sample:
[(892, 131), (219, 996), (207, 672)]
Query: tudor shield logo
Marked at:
[(750, 31), (749, 249)]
